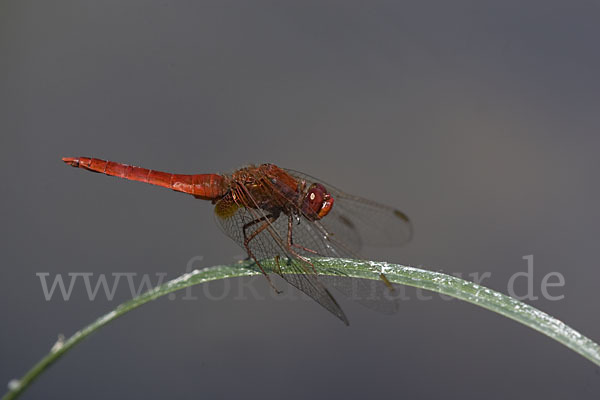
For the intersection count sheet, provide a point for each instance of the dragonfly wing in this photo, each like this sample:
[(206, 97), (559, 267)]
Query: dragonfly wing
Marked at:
[(234, 219), (352, 222), (312, 286), (312, 239), (376, 224), (357, 221)]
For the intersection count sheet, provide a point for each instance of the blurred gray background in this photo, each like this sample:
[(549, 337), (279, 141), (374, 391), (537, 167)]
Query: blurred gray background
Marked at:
[(478, 119)]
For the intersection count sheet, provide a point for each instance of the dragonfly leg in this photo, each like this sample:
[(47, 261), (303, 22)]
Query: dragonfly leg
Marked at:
[(290, 244), (291, 240), (386, 282), (278, 265), (268, 220), (256, 221), (303, 248)]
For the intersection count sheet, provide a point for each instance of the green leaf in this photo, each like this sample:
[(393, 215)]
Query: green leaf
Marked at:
[(434, 281)]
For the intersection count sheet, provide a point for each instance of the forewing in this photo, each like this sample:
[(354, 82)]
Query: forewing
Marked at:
[(355, 221)]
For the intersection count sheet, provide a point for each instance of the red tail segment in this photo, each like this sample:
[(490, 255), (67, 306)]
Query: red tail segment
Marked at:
[(203, 186)]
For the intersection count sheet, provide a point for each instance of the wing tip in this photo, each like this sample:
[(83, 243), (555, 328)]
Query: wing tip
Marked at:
[(401, 215), (405, 218)]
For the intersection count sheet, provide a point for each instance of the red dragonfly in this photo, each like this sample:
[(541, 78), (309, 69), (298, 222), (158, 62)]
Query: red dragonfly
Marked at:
[(276, 213)]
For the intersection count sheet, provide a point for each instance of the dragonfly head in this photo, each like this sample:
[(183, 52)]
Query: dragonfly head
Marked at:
[(317, 202)]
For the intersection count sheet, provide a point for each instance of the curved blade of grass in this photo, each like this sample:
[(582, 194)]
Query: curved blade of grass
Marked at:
[(434, 281)]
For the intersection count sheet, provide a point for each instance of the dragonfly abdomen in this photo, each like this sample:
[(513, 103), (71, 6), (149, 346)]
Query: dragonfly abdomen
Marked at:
[(203, 186)]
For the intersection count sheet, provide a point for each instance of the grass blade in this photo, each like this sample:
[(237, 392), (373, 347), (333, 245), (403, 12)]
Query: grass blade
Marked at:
[(429, 280)]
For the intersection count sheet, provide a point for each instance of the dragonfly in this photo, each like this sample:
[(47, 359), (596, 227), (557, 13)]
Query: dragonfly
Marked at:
[(281, 214)]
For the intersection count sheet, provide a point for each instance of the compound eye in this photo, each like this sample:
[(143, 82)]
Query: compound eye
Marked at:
[(317, 203)]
